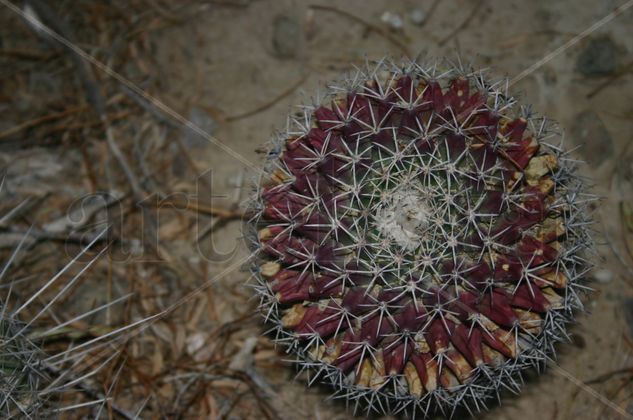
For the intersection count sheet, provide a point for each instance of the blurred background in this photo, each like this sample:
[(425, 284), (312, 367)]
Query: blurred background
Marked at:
[(81, 151)]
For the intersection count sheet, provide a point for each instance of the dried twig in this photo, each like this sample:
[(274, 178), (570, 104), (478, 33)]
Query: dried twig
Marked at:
[(192, 164), (92, 123), (371, 27), (149, 107), (623, 72), (260, 395), (196, 206), (92, 176), (40, 120), (27, 54), (513, 41), (430, 12), (225, 413), (462, 25), (70, 238), (120, 158), (628, 341), (626, 220), (611, 396), (164, 12), (270, 103), (608, 375), (614, 250)]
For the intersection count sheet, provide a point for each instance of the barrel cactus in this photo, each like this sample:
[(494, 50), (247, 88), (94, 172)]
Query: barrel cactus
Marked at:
[(420, 238)]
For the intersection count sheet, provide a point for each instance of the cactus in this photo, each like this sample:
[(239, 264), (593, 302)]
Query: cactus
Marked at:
[(420, 238), (19, 373), (37, 380)]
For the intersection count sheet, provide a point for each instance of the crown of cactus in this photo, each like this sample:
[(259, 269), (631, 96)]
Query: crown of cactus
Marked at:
[(420, 238)]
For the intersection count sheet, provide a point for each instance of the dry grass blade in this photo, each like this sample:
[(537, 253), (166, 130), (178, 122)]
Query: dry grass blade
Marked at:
[(60, 273)]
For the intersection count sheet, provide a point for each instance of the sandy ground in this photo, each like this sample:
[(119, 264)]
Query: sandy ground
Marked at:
[(235, 69)]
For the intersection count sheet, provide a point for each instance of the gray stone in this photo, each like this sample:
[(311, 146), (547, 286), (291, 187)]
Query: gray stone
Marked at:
[(590, 133), (603, 276), (393, 20), (598, 58), (417, 17), (286, 37)]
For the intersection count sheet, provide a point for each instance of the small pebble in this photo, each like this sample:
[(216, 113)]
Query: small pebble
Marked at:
[(603, 276), (417, 17), (243, 359), (286, 37), (393, 20), (598, 58)]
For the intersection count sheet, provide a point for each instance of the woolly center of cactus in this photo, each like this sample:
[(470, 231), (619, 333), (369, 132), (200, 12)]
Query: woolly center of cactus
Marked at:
[(404, 217)]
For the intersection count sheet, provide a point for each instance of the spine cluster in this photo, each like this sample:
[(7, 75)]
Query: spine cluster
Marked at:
[(420, 238), (38, 380), (20, 374)]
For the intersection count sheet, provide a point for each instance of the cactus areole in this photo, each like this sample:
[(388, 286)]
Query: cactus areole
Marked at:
[(419, 238)]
